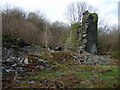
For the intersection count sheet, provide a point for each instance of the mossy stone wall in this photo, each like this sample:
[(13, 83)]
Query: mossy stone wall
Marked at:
[(84, 35), (89, 38)]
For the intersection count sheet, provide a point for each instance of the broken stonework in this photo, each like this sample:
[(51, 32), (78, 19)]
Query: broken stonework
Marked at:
[(89, 34)]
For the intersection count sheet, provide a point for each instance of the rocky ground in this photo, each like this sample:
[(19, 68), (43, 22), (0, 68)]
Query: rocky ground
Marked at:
[(34, 67)]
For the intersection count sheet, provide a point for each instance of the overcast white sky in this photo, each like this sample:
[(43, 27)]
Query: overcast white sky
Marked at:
[(55, 9)]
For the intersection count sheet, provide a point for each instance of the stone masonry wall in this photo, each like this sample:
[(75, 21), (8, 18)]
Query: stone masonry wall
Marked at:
[(89, 35)]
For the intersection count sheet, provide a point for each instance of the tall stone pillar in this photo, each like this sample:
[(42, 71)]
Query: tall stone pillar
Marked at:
[(89, 37)]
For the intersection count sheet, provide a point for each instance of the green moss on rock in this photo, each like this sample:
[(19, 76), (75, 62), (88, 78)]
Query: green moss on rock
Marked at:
[(73, 34), (95, 20), (95, 17)]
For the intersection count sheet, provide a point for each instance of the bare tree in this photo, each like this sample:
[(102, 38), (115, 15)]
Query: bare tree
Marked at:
[(75, 10), (71, 13), (81, 7)]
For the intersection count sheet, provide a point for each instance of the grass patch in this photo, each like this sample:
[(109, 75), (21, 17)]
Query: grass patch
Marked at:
[(116, 54), (49, 74), (83, 86), (99, 80), (87, 75), (84, 74)]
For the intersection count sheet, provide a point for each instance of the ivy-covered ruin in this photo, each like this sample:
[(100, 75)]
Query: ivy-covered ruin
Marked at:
[(84, 35)]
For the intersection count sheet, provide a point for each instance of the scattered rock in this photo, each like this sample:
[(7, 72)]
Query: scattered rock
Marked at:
[(97, 60)]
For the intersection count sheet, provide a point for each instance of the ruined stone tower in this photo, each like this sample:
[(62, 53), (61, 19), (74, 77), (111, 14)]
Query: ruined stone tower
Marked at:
[(89, 34), (83, 36)]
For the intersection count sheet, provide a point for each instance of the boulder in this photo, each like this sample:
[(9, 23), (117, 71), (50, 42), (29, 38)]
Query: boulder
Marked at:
[(26, 61)]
